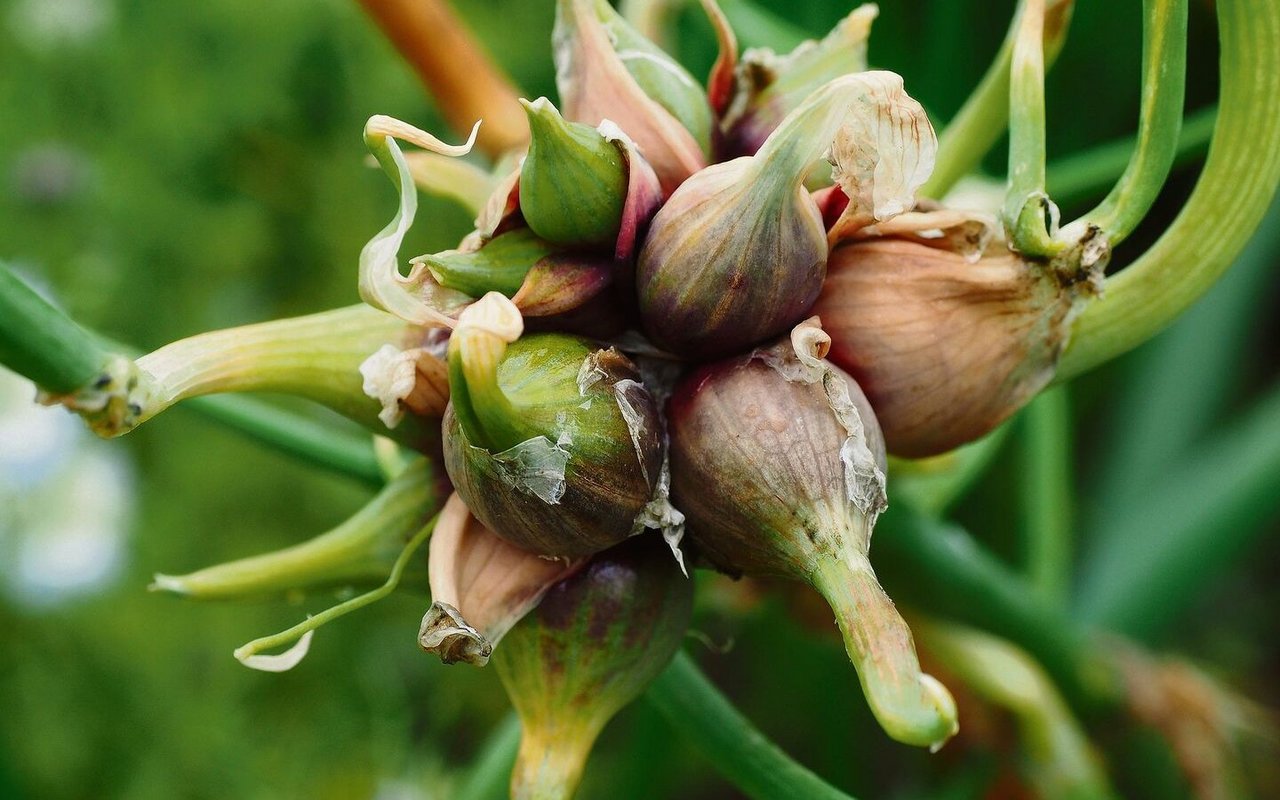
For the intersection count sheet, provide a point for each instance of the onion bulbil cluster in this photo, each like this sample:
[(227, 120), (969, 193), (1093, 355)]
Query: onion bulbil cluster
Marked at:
[(633, 350)]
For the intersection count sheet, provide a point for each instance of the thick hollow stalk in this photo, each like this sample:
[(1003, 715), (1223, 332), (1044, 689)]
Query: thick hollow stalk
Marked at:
[(1234, 190), (976, 127), (735, 747), (1182, 382), (1164, 78), (41, 343), (464, 81), (1026, 203), (317, 357)]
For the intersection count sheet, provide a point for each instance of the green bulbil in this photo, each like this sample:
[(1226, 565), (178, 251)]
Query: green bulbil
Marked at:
[(553, 443), (573, 184), (499, 266)]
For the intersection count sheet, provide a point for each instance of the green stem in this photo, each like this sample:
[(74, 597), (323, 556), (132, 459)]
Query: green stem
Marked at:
[(1085, 175), (293, 434), (490, 772), (41, 343), (317, 356), (1059, 761), (912, 707), (1156, 557), (1234, 190), (1027, 206), (933, 484), (1164, 78), (247, 653), (359, 551), (976, 127), (740, 752), (1047, 495), (939, 568)]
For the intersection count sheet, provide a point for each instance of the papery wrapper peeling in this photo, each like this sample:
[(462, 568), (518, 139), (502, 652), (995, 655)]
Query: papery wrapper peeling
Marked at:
[(414, 298), (481, 585), (768, 86)]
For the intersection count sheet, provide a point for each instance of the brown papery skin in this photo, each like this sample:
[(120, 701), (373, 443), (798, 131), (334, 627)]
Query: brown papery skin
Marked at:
[(945, 349), (755, 467)]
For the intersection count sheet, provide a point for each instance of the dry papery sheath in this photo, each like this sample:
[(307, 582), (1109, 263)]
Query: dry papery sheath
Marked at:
[(946, 330), (481, 585)]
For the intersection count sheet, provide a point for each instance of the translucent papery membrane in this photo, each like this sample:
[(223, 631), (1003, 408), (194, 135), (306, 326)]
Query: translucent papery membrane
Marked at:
[(878, 139), (416, 298), (769, 86), (801, 360), (966, 233)]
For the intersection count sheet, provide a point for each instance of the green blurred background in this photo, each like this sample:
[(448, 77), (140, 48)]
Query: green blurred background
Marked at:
[(169, 168)]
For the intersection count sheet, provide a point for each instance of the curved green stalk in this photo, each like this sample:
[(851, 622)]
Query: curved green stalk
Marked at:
[(41, 343), (1159, 410), (1164, 78), (695, 708), (976, 127), (1056, 754), (1233, 193), (359, 551), (250, 654), (1046, 494), (1027, 207), (1087, 174)]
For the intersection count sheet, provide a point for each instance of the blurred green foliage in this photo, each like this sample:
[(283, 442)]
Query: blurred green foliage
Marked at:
[(169, 168)]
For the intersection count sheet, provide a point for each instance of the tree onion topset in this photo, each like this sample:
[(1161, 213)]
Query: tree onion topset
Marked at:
[(691, 323)]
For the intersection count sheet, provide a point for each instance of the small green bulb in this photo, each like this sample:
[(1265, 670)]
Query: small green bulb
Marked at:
[(552, 442), (573, 184), (500, 266)]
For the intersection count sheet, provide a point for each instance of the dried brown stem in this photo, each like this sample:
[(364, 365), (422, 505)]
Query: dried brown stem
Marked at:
[(464, 81)]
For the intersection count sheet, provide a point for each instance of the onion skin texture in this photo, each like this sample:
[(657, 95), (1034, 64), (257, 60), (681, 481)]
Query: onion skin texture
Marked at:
[(729, 262), (945, 349), (756, 469)]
